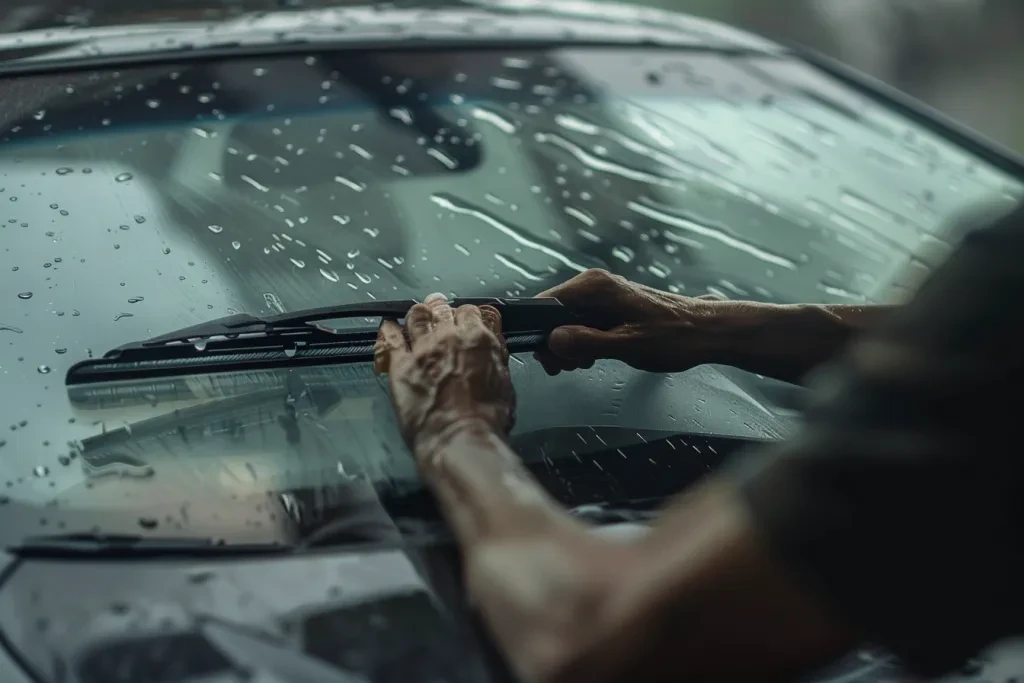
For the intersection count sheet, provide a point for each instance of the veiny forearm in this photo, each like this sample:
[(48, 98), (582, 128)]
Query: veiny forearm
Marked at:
[(483, 488), (786, 341)]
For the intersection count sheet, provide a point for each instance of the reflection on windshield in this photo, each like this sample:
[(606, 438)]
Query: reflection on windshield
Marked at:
[(149, 199)]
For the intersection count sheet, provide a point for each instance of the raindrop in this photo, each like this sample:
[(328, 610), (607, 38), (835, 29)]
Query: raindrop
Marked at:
[(153, 104), (167, 250), (61, 351), (215, 228), (135, 299), (64, 460), (25, 295), (148, 522), (236, 244), (64, 170), (43, 369), (123, 315), (259, 71), (123, 177), (200, 344), (140, 219), (41, 470)]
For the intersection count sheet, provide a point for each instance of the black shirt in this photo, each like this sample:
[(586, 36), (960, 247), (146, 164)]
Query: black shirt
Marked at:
[(902, 500)]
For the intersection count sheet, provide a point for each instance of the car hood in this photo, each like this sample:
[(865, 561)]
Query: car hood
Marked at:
[(506, 21)]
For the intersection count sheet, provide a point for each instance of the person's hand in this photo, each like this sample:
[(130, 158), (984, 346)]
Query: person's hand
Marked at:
[(447, 370), (647, 328)]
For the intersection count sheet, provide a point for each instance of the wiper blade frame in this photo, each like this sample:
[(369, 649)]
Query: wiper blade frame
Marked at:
[(244, 342)]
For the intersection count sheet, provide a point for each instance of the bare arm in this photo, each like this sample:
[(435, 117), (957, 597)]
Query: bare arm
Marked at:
[(784, 342), (662, 332), (563, 604)]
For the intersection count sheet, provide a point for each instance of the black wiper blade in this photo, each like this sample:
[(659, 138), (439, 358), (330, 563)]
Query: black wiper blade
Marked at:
[(133, 546), (244, 342)]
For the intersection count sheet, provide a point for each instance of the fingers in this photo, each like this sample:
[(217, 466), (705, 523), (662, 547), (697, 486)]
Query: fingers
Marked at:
[(441, 310), (389, 346), (491, 318), (419, 321), (468, 316), (583, 344)]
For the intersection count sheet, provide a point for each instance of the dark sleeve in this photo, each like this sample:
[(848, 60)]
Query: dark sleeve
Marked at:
[(901, 502)]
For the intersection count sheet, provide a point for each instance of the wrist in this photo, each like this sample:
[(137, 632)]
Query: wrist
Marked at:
[(782, 341), (430, 442)]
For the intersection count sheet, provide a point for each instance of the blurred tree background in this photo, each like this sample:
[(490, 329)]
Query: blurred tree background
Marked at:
[(964, 57)]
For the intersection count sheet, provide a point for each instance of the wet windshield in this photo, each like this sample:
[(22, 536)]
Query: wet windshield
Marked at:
[(143, 200)]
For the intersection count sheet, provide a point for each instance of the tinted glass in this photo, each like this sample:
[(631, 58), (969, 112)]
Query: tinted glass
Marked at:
[(143, 200)]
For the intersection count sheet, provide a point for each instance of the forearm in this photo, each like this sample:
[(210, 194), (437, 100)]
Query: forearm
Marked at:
[(786, 341), (484, 490), (708, 601)]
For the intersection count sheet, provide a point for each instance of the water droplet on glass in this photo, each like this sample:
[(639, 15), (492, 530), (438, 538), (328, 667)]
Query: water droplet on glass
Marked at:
[(43, 369), (123, 177), (215, 228), (200, 344), (64, 170), (167, 250), (236, 244), (119, 316), (140, 219), (153, 104), (41, 470), (61, 351), (25, 295), (136, 299), (148, 522)]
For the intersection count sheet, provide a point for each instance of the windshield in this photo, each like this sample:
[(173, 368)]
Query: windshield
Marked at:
[(147, 199)]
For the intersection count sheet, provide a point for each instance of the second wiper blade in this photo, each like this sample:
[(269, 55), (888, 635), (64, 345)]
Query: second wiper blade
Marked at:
[(244, 342)]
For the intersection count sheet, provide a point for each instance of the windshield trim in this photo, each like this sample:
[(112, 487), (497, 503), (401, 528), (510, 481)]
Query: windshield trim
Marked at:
[(41, 65)]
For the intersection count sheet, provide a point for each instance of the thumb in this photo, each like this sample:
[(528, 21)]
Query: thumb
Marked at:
[(578, 343)]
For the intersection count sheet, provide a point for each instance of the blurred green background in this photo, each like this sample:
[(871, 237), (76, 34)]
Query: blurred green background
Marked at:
[(964, 57)]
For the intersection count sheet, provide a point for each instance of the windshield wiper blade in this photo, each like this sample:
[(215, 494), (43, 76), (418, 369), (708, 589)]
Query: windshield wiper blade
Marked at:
[(133, 546), (245, 342)]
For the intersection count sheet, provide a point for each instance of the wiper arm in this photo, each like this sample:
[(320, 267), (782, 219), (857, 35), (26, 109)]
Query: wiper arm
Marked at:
[(245, 342), (133, 546)]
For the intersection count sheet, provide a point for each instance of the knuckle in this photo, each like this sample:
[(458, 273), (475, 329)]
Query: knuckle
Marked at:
[(419, 311), (599, 277)]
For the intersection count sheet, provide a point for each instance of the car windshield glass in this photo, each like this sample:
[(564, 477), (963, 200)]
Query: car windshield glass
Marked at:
[(147, 199)]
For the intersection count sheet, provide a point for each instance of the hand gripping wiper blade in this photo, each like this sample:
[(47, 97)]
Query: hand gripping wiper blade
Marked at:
[(245, 342)]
